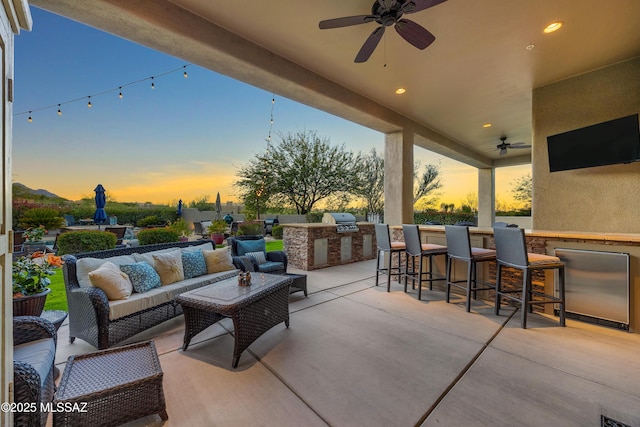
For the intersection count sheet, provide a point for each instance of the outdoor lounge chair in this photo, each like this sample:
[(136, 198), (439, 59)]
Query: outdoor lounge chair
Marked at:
[(250, 254)]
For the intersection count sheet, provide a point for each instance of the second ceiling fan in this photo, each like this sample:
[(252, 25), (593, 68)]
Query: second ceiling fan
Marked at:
[(388, 13)]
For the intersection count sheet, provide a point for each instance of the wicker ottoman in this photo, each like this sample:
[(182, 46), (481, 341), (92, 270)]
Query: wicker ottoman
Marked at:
[(110, 387)]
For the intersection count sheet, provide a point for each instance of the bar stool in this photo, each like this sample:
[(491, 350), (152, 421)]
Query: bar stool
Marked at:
[(420, 250), (385, 245), (459, 247), (511, 251)]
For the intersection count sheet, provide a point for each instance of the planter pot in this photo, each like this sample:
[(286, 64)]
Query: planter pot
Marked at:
[(183, 239), (31, 247), (218, 238), (30, 305)]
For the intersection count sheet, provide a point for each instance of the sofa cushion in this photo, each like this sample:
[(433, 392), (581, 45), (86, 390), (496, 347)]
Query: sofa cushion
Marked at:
[(218, 260), (244, 246), (201, 247), (257, 257), (39, 354), (169, 267), (148, 256), (85, 265), (138, 302), (143, 277), (193, 264), (270, 266), (114, 282), (183, 286)]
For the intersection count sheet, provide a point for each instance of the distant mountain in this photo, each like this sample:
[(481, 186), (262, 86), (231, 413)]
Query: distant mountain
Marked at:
[(21, 191)]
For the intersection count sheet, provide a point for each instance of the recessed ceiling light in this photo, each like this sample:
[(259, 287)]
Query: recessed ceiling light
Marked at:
[(400, 90), (554, 26), (486, 125), (530, 47)]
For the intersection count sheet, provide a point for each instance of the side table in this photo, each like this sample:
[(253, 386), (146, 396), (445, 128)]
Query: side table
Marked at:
[(299, 283), (118, 385)]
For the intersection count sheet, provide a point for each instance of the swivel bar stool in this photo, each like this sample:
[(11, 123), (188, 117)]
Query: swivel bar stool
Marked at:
[(416, 249), (511, 251)]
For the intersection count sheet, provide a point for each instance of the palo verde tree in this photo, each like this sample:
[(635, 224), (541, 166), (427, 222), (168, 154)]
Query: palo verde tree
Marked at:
[(370, 178), (522, 190), (301, 170)]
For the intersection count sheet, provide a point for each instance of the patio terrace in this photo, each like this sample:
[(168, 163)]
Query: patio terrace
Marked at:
[(356, 355)]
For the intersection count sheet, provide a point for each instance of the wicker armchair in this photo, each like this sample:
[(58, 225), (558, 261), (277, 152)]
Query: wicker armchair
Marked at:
[(276, 261), (34, 340)]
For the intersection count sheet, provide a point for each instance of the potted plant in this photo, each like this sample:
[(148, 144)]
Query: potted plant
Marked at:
[(33, 239), (31, 282), (217, 229), (182, 228)]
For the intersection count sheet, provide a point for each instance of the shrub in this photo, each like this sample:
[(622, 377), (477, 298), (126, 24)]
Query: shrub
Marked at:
[(47, 217), (181, 227), (277, 231), (149, 220), (250, 228), (218, 226), (157, 235), (75, 242)]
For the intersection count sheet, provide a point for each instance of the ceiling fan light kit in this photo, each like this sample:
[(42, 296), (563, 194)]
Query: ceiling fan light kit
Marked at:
[(388, 13)]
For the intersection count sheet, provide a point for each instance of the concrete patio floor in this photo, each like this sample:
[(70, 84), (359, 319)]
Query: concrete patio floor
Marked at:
[(356, 355)]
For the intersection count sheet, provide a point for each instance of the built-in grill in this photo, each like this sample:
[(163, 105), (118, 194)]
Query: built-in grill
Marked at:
[(345, 222)]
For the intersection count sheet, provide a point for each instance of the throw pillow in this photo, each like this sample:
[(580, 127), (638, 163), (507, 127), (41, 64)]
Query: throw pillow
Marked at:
[(143, 277), (257, 257), (193, 264), (244, 246), (169, 267), (218, 260), (113, 281), (86, 265)]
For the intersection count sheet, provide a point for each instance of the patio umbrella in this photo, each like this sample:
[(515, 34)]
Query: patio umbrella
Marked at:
[(100, 216), (218, 206), (179, 208)]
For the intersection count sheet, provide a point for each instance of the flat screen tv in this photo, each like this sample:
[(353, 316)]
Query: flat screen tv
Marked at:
[(608, 143)]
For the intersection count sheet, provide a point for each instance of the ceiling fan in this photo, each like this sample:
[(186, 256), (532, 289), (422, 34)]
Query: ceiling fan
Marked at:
[(503, 146), (388, 13)]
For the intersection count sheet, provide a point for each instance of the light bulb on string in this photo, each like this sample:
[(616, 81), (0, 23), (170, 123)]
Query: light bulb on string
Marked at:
[(153, 85), (185, 72), (59, 110), (89, 105), (29, 119), (120, 94)]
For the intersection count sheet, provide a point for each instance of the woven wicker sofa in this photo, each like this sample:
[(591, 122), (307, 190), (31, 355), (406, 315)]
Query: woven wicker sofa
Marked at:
[(103, 323)]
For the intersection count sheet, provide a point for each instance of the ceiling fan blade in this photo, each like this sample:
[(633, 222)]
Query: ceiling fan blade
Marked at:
[(516, 144), (413, 6), (370, 44), (414, 33), (519, 146), (346, 21)]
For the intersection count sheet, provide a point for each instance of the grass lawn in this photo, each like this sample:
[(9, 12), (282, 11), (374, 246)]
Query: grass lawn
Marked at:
[(57, 299)]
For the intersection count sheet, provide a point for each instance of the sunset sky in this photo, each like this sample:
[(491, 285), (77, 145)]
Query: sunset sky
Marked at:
[(182, 140)]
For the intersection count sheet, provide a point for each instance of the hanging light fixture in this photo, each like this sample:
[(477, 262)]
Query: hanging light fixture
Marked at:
[(153, 86), (120, 94), (89, 105), (29, 119), (185, 71), (59, 110)]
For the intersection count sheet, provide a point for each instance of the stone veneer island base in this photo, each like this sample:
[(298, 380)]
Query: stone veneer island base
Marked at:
[(315, 246)]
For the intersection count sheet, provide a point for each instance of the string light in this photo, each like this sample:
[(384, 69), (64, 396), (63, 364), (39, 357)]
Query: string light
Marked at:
[(273, 102), (88, 98)]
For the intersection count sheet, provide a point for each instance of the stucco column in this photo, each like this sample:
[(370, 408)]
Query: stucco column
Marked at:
[(398, 177), (486, 197)]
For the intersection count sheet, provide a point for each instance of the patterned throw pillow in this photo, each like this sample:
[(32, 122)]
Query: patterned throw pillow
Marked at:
[(257, 257), (114, 282), (169, 267), (218, 260), (143, 277), (193, 264)]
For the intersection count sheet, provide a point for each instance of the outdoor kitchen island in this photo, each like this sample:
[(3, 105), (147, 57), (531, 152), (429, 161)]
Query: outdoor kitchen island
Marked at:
[(314, 246)]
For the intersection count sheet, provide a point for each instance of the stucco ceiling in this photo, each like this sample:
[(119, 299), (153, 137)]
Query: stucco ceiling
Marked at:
[(477, 71)]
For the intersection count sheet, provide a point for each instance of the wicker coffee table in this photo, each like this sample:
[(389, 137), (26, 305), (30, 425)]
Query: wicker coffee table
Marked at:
[(118, 385), (254, 309)]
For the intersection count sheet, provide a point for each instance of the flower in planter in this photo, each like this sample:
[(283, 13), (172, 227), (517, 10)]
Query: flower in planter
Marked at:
[(30, 273), (35, 234)]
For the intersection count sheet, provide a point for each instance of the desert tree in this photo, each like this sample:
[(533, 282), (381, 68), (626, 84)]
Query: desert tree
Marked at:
[(300, 170), (426, 184), (522, 189), (370, 181)]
